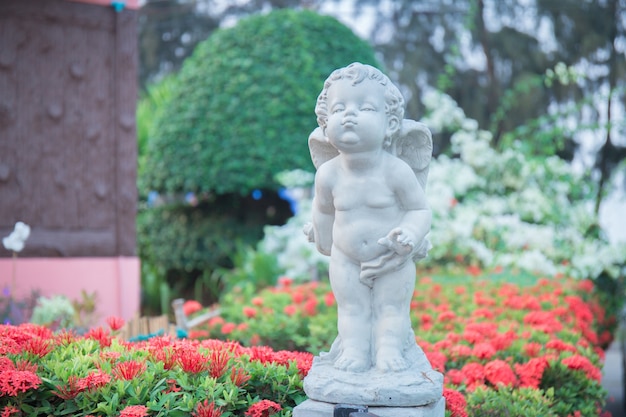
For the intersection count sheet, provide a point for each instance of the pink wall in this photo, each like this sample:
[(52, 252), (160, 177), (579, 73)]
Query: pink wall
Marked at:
[(116, 281)]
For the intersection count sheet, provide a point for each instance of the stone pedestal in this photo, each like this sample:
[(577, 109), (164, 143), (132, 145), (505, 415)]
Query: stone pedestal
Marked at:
[(312, 408)]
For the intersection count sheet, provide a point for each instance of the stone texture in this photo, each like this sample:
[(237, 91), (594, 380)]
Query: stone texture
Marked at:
[(311, 408)]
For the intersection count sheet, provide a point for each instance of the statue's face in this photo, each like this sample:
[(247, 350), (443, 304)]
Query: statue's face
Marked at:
[(357, 120)]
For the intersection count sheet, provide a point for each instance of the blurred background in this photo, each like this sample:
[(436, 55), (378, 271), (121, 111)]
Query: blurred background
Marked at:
[(535, 84)]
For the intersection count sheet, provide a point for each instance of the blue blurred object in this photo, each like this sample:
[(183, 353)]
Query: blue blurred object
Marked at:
[(118, 6), (153, 196), (257, 194), (287, 195)]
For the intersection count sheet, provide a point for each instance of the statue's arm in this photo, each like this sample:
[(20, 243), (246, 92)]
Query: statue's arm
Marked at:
[(323, 212)]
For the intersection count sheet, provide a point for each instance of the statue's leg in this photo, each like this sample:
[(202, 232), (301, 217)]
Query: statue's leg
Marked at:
[(354, 314), (391, 315)]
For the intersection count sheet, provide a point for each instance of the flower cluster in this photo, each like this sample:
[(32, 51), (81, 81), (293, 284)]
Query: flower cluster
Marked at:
[(531, 347), (479, 329), (110, 376)]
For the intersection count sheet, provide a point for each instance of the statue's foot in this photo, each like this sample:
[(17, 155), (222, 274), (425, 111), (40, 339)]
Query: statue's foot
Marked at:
[(353, 360), (390, 360)]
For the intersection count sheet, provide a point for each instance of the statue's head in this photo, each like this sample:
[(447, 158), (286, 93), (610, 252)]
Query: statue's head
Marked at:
[(357, 72)]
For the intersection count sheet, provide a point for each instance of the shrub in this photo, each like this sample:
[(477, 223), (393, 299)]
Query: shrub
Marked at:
[(532, 348), (239, 112), (46, 373), (242, 107)]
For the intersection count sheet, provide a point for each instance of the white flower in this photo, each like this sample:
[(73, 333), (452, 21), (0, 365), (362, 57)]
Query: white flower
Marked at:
[(15, 241)]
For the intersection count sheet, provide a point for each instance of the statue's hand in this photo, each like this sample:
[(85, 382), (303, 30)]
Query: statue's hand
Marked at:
[(400, 247), (398, 241), (309, 231)]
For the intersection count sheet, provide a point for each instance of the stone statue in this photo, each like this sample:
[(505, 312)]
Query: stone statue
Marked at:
[(370, 215)]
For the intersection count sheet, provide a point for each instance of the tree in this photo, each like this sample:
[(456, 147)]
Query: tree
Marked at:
[(169, 30), (239, 113)]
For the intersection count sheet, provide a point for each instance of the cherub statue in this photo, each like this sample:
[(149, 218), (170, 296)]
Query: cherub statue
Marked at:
[(370, 214)]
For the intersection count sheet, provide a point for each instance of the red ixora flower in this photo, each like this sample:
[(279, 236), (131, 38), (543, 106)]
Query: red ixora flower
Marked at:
[(99, 334), (38, 346), (69, 391), (218, 361), (134, 411), (207, 409), (191, 306), (129, 370), (498, 372), (192, 361), (115, 323), (263, 408), (9, 410), (13, 382), (455, 403), (581, 363), (93, 381), (531, 372)]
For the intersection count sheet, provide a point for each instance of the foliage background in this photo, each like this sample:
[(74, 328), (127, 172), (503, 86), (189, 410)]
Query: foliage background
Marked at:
[(219, 132)]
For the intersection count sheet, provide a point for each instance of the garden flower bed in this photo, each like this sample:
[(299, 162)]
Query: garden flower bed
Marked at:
[(528, 349)]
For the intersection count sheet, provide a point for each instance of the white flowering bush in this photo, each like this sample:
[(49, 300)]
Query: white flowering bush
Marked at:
[(490, 209), (507, 209)]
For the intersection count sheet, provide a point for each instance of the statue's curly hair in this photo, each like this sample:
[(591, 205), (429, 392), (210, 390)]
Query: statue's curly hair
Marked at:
[(357, 72)]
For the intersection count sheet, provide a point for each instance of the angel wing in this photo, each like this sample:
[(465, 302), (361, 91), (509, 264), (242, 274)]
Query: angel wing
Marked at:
[(414, 145), (321, 150)]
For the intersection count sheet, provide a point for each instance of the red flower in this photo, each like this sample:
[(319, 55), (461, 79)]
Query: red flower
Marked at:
[(192, 361), (455, 403), (560, 345), (474, 374), (437, 360), (134, 411), (24, 365), (460, 351), (115, 322), (455, 377), (99, 334), (9, 410), (290, 310), (543, 321), (297, 297), (207, 409), (191, 306), (285, 282), (249, 312), (532, 349), (484, 350), (531, 372), (310, 307), (329, 299), (172, 386), (12, 381), (129, 370), (581, 363), (263, 408), (69, 391), (93, 381), (586, 285), (239, 376), (218, 362), (38, 347), (228, 328), (474, 270), (498, 372), (257, 301)]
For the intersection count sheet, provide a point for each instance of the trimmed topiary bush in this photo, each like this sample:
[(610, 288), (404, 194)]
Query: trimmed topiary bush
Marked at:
[(239, 112), (243, 105)]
